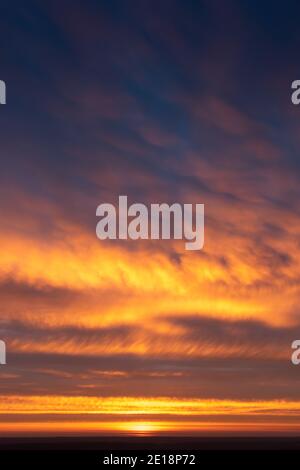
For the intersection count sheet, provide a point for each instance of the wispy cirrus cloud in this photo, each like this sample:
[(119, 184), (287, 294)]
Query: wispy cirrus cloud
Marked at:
[(163, 103)]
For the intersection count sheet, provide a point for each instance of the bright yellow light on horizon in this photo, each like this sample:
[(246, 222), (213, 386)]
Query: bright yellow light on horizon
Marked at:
[(143, 428)]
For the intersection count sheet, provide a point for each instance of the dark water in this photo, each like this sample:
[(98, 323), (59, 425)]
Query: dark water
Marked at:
[(149, 443)]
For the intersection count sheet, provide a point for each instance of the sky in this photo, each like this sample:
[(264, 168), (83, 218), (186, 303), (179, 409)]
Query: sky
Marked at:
[(174, 101)]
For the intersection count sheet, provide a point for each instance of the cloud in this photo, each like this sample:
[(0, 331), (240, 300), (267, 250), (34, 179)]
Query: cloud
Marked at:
[(166, 102)]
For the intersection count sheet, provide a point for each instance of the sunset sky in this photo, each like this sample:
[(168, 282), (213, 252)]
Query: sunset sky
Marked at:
[(163, 101)]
